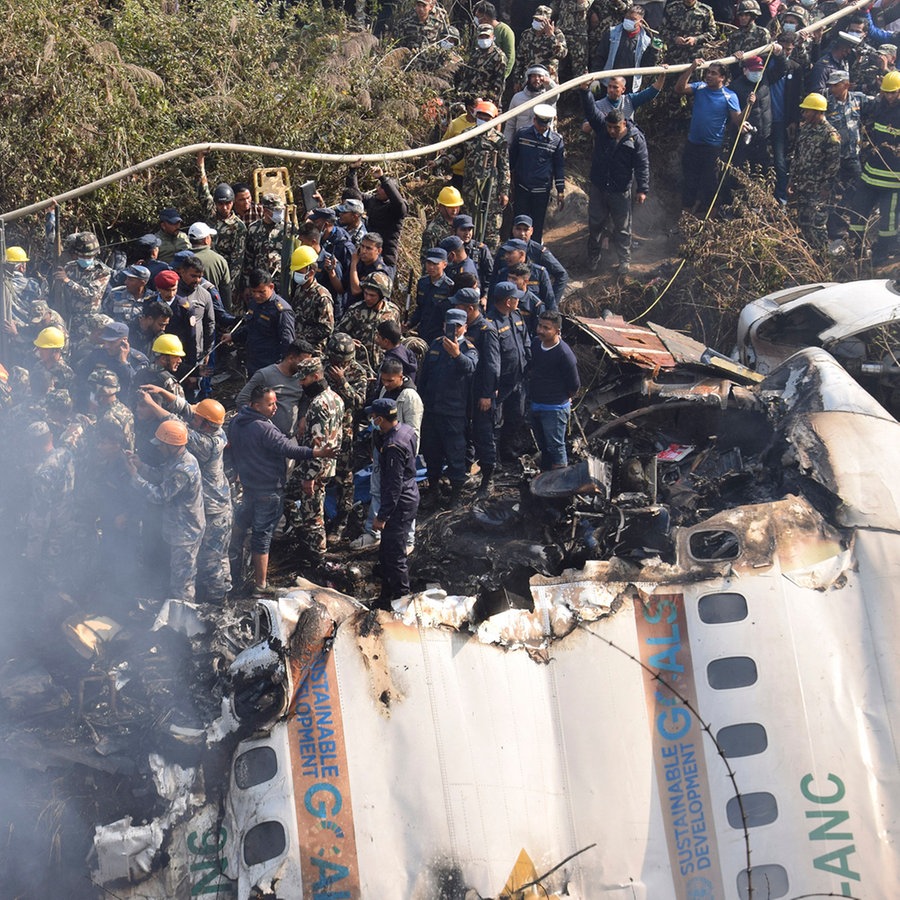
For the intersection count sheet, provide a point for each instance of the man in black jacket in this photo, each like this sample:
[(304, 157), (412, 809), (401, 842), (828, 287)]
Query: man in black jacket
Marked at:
[(620, 155), (385, 209)]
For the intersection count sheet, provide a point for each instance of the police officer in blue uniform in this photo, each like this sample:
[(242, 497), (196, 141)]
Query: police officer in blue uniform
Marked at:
[(433, 291), (395, 444), (458, 261), (536, 252), (515, 354), (477, 251), (516, 251), (445, 386), (268, 325)]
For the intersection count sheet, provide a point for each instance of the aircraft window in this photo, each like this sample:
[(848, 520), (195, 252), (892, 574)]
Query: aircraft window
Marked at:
[(799, 327), (717, 609), (760, 808), (769, 881), (264, 842), (715, 545), (731, 672), (255, 766), (746, 739)]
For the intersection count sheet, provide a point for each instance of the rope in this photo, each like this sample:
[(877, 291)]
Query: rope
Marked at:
[(396, 155)]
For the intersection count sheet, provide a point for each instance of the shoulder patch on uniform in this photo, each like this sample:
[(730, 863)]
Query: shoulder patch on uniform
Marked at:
[(282, 304)]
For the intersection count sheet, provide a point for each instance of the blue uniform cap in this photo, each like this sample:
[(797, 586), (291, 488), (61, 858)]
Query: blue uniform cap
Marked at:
[(149, 241), (504, 289), (463, 222), (183, 256), (451, 243), (115, 331), (323, 212), (141, 272), (466, 297), (514, 244), (455, 316), (523, 220), (170, 215), (383, 406), (436, 254)]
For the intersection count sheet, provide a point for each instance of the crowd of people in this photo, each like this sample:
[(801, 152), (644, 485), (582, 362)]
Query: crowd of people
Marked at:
[(123, 466)]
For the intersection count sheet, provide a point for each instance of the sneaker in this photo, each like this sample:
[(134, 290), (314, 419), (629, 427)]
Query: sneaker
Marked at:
[(264, 590), (365, 540)]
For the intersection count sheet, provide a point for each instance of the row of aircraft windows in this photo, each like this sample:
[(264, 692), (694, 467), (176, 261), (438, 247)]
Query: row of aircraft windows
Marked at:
[(745, 739)]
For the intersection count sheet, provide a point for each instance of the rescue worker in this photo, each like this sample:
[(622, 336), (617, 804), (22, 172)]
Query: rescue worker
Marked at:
[(537, 252), (170, 236), (449, 203), (484, 73), (433, 290), (167, 354), (311, 301), (544, 44), (105, 406), (177, 487), (215, 266), (115, 354), (125, 303), (265, 238), (361, 320), (268, 325), (445, 385), (49, 372), (395, 446), (80, 284)]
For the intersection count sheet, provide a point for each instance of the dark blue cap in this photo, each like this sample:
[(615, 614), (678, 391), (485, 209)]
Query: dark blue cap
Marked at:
[(383, 406), (436, 254), (467, 297), (514, 244), (523, 220), (115, 331), (137, 272), (463, 222), (504, 289), (148, 240), (170, 215), (451, 243), (324, 212), (183, 256), (456, 316)]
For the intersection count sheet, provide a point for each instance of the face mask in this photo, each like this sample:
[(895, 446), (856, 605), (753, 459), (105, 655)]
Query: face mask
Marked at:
[(85, 263), (301, 277), (755, 77), (92, 398), (790, 27), (629, 24), (277, 216), (484, 43), (536, 25), (809, 3)]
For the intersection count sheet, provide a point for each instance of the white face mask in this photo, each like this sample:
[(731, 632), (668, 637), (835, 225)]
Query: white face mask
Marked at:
[(277, 216), (789, 27), (484, 43), (628, 24), (301, 277), (537, 25), (755, 77)]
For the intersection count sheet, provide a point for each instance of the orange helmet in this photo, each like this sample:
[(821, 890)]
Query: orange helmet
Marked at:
[(171, 432), (211, 410), (485, 106)]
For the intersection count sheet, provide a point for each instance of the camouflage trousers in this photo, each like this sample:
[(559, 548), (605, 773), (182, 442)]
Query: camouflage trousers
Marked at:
[(576, 60), (307, 517), (812, 218), (343, 479), (213, 566), (183, 570)]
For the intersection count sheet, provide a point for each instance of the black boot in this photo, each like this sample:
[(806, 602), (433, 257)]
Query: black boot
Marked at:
[(455, 500), (484, 489)]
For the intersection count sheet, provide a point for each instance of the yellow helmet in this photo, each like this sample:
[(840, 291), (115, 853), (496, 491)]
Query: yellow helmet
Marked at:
[(51, 338), (450, 196), (211, 410), (814, 101), (891, 82), (168, 345), (171, 432), (303, 257), (16, 255)]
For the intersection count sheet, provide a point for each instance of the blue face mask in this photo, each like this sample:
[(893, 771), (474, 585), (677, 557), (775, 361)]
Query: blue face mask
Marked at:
[(85, 263), (755, 77), (301, 277)]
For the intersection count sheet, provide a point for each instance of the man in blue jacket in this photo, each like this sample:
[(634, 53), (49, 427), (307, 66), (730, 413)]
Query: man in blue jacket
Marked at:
[(620, 155), (537, 164), (259, 451)]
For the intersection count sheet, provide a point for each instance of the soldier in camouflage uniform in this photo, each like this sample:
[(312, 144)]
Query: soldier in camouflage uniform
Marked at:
[(312, 303), (48, 372), (603, 15), (22, 333), (545, 47), (166, 356), (177, 487), (749, 35), (449, 204), (688, 26), (21, 290), (486, 184), (48, 522), (322, 426), (106, 405), (817, 159), (206, 441), (425, 25), (484, 74), (80, 284), (350, 381), (361, 320), (572, 21), (265, 239)]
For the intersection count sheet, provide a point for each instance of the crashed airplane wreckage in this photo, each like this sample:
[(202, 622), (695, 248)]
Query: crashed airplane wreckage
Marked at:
[(664, 672)]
